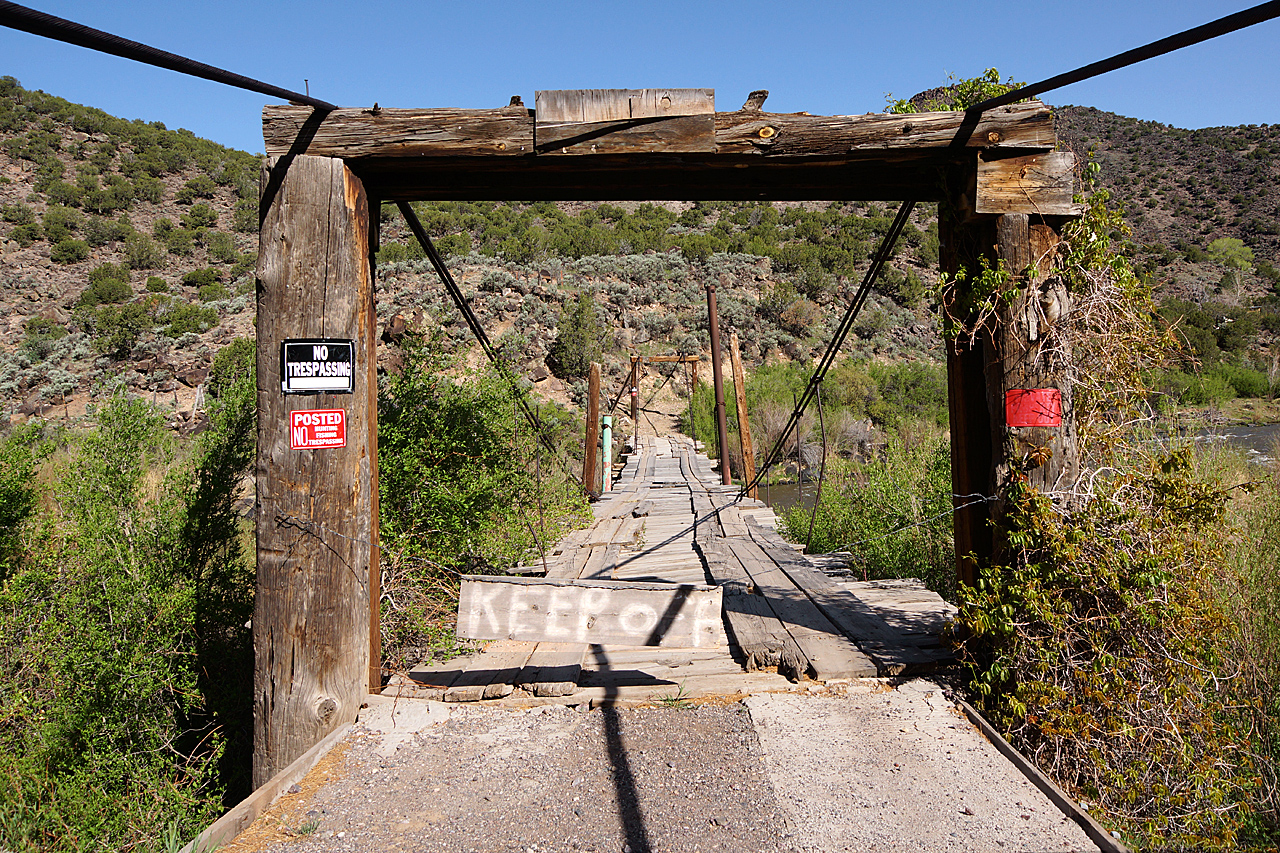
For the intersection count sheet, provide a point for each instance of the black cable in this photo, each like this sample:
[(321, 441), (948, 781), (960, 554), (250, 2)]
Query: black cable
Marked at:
[(59, 29), (1195, 35), (837, 340), (473, 322)]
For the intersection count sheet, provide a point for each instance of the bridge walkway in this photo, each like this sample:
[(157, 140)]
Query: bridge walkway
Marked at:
[(668, 519)]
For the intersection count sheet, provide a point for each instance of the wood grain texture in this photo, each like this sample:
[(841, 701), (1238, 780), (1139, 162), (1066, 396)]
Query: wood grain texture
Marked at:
[(581, 106), (399, 132), (1020, 126), (589, 611), (744, 418), (317, 511), (1042, 184)]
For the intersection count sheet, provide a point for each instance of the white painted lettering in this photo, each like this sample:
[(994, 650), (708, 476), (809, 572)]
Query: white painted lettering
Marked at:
[(638, 619)]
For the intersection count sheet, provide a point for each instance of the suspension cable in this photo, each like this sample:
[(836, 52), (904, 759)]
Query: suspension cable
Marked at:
[(833, 348), (1195, 35), (473, 322), (60, 29)]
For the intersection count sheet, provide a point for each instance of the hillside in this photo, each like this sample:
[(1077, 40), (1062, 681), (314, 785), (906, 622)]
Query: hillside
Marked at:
[(127, 254)]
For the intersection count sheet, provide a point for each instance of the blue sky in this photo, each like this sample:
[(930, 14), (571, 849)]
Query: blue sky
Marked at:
[(821, 57)]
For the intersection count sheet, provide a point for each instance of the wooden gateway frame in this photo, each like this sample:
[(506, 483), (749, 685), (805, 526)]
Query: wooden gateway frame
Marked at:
[(1006, 187)]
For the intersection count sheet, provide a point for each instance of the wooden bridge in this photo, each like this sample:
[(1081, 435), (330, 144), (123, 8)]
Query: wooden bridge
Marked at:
[(669, 521)]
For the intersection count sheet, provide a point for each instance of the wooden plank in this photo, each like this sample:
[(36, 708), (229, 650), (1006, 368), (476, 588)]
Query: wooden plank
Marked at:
[(622, 121), (500, 134), (678, 135), (755, 630), (893, 653), (1019, 126), (588, 611), (580, 106), (317, 509), (829, 652), (1041, 184), (492, 673), (397, 132), (591, 480), (553, 669)]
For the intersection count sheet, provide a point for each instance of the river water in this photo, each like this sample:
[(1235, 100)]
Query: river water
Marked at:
[(1261, 442)]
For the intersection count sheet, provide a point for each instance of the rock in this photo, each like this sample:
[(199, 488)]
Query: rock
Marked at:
[(395, 330), (194, 377), (539, 373)]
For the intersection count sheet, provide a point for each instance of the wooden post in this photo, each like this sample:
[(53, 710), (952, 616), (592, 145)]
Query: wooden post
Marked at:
[(1010, 394), (744, 422), (635, 401), (693, 389), (717, 376), (317, 509), (589, 477)]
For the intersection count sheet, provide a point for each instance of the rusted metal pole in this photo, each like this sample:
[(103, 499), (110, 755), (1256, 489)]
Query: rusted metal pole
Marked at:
[(717, 375), (589, 479)]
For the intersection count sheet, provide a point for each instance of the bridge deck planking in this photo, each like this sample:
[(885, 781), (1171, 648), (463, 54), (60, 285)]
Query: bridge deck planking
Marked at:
[(676, 523)]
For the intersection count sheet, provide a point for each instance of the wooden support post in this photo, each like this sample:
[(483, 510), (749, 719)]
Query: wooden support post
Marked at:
[(744, 421), (717, 376), (635, 401), (590, 478), (693, 389), (317, 509), (1010, 395)]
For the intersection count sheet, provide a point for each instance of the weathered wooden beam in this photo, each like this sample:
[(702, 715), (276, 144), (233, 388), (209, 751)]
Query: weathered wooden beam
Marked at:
[(744, 419), (1042, 184), (622, 121), (397, 132), (317, 509), (589, 611), (1021, 126), (508, 132)]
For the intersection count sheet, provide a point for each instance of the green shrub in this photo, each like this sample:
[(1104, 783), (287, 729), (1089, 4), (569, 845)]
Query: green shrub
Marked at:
[(60, 223), (199, 216), (18, 214), (122, 638), (245, 218), (156, 284), (184, 318), (1096, 649), (116, 329), (69, 251), (579, 339), (109, 285), (100, 232), (202, 277), (201, 186), (180, 241), (213, 292), (892, 512), (141, 252), (25, 235), (222, 248), (39, 337)]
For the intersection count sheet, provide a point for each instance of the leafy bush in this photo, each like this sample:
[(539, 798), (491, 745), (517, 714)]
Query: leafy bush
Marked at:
[(183, 319), (100, 232), (69, 251), (213, 292), (1095, 649), (108, 283), (121, 631), (156, 284), (893, 512), (59, 223), (202, 277), (199, 216), (579, 340), (222, 248), (141, 252), (201, 186)]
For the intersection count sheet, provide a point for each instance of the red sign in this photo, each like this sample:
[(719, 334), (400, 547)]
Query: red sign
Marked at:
[(309, 430), (1033, 407)]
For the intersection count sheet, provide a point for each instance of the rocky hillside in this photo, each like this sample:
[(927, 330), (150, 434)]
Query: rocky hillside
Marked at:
[(127, 254), (1185, 189)]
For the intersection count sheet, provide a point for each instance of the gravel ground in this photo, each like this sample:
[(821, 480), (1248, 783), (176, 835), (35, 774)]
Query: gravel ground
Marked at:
[(877, 769)]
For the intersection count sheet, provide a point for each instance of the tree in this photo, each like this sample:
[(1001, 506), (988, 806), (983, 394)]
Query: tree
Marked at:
[(580, 340)]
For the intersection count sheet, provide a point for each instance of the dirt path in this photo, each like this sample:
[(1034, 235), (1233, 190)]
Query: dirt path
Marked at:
[(875, 769)]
